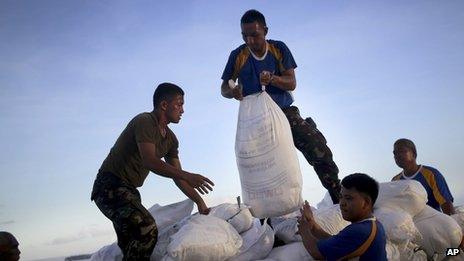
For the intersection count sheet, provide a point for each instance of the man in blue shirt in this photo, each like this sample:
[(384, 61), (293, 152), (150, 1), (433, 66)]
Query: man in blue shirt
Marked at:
[(438, 194), (260, 62), (363, 238)]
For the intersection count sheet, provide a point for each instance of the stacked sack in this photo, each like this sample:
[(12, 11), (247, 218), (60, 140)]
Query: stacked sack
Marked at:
[(414, 231), (229, 232)]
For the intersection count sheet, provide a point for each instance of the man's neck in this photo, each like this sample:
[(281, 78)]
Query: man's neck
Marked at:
[(411, 169), (364, 217), (162, 120), (259, 54)]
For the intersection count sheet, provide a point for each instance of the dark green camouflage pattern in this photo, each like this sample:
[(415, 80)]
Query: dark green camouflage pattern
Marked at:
[(310, 141), (135, 227)]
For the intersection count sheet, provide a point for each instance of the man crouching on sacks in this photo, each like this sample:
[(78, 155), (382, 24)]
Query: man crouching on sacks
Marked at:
[(138, 150), (364, 237)]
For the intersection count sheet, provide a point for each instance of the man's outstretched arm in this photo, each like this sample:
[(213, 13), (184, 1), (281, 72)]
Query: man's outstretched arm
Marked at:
[(156, 165), (188, 190)]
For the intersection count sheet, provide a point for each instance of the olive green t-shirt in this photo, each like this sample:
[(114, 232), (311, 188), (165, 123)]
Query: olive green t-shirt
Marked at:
[(124, 159)]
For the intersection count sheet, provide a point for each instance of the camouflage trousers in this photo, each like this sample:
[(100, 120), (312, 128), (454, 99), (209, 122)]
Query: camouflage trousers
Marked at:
[(135, 227), (310, 141)]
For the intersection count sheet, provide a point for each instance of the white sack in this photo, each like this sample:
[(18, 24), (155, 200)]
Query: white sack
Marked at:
[(459, 216), (165, 218), (291, 252), (393, 253), (108, 253), (439, 232), (204, 238), (410, 252), (240, 218), (168, 215), (407, 195), (257, 242), (398, 225), (266, 158), (330, 219), (325, 202)]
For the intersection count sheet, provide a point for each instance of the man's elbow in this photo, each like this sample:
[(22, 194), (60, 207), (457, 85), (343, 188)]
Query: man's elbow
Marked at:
[(292, 86)]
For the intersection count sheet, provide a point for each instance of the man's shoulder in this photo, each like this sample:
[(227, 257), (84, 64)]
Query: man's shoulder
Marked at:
[(278, 44), (431, 169), (397, 176), (239, 49), (144, 118)]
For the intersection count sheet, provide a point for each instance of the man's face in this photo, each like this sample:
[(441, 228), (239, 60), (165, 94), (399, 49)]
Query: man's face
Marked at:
[(10, 250), (403, 156), (353, 205), (175, 109), (254, 36)]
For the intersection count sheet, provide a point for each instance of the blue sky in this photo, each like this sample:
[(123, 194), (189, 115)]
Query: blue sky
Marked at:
[(73, 73)]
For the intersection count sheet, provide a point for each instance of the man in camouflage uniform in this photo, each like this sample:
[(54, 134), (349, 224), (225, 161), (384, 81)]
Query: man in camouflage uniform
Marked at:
[(139, 149), (260, 62)]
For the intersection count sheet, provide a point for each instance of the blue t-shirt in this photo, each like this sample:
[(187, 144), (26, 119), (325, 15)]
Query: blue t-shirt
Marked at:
[(434, 183), (365, 239), (244, 66)]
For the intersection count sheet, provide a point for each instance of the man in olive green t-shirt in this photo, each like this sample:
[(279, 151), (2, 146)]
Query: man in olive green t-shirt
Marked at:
[(139, 149)]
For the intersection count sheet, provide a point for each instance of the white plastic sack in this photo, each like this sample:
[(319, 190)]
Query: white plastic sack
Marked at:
[(165, 218), (168, 215), (204, 238), (240, 218), (257, 242), (325, 202), (407, 195), (291, 252), (398, 225), (459, 216), (439, 232), (330, 219), (410, 252), (393, 253), (108, 253), (266, 158)]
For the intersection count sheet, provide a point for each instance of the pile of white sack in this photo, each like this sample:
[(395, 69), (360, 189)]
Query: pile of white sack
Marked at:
[(228, 232), (414, 230)]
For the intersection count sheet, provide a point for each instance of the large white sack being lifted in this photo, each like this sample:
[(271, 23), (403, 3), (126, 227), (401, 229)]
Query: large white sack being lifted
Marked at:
[(266, 158)]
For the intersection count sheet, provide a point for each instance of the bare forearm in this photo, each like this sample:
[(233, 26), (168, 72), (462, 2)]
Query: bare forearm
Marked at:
[(226, 91), (310, 243), (189, 191), (163, 169), (284, 82), (320, 233)]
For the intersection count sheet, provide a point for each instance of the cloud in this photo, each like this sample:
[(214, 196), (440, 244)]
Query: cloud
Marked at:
[(91, 231)]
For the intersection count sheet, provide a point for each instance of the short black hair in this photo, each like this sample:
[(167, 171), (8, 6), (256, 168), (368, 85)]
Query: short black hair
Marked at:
[(252, 16), (408, 144), (166, 91), (362, 183)]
